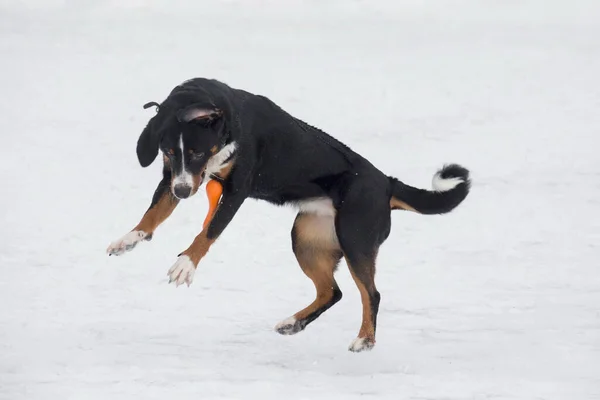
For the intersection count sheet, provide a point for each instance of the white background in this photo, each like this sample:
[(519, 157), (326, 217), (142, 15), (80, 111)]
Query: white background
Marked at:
[(498, 300)]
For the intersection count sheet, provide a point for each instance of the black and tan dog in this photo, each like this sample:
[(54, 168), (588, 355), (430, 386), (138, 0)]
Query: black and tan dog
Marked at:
[(205, 128)]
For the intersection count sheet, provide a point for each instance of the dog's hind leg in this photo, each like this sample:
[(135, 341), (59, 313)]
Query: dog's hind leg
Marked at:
[(318, 253), (363, 272), (362, 225)]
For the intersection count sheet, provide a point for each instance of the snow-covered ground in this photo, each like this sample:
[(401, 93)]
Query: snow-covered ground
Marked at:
[(498, 300)]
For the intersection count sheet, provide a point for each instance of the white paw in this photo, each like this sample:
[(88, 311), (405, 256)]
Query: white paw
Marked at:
[(361, 344), (288, 326), (182, 271), (126, 243)]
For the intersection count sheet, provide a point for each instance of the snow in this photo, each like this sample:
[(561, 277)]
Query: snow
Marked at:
[(498, 300)]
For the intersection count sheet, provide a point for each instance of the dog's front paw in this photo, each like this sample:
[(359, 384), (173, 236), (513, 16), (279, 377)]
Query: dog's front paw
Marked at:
[(182, 271), (127, 243)]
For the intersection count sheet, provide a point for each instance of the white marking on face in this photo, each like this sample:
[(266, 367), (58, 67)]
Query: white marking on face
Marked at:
[(215, 164), (184, 177)]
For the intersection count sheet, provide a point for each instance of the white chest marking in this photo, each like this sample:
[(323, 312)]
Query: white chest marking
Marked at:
[(215, 164)]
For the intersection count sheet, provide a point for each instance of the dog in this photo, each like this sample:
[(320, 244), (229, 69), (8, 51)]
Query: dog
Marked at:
[(208, 129)]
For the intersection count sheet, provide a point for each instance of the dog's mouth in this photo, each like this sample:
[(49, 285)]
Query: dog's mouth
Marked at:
[(198, 181)]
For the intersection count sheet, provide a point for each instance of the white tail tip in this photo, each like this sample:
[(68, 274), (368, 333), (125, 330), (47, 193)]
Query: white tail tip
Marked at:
[(445, 184)]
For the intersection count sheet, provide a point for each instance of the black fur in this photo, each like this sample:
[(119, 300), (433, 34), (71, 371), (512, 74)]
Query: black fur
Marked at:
[(282, 160), (430, 202)]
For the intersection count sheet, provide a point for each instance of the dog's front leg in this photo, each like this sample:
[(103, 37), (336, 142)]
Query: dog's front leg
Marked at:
[(183, 270), (163, 204)]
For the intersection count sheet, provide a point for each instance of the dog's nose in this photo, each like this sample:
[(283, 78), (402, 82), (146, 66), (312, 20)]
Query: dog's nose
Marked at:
[(182, 191)]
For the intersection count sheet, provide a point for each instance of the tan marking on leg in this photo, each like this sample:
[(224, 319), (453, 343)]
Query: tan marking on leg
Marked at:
[(396, 204), (367, 271), (367, 330), (317, 230), (318, 265), (318, 253), (157, 214), (199, 247)]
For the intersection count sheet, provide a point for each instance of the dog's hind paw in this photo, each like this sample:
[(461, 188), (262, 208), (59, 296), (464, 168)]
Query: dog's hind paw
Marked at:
[(290, 326), (361, 344), (182, 271), (126, 243)]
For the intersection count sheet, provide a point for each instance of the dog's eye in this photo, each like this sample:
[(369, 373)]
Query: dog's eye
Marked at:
[(196, 156)]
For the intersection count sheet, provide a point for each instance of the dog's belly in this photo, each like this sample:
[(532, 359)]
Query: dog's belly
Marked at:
[(288, 195), (322, 206)]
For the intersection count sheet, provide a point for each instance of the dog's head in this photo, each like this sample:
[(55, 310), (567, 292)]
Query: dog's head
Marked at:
[(188, 138)]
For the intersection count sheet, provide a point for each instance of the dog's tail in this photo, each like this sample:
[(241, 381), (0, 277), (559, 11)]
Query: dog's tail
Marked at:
[(451, 186)]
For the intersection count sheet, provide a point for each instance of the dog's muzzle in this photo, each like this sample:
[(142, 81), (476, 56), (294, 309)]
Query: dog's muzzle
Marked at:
[(186, 185), (182, 191)]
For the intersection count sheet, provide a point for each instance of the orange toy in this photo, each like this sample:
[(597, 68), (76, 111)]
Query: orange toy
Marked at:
[(214, 190)]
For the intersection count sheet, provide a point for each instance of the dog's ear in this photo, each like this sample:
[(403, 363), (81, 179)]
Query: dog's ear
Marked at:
[(197, 113), (147, 146)]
